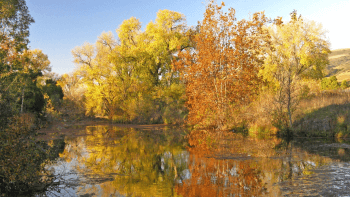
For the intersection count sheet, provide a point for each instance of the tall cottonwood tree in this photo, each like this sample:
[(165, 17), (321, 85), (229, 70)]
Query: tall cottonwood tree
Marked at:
[(122, 74), (221, 72), (95, 71), (164, 37), (300, 51)]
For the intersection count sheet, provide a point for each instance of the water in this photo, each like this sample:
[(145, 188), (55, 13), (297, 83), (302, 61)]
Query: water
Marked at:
[(112, 161)]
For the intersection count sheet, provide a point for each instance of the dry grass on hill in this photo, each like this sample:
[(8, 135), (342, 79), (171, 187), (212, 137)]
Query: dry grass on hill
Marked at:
[(339, 64)]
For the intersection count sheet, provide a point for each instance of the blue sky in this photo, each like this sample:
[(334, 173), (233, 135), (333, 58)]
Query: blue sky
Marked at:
[(62, 25)]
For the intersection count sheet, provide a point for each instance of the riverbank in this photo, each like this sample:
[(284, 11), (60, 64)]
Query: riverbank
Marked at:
[(324, 114), (67, 127)]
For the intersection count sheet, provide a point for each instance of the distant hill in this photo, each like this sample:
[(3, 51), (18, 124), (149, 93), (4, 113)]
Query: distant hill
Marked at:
[(339, 64)]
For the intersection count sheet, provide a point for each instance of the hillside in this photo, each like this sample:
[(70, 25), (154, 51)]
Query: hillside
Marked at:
[(339, 64)]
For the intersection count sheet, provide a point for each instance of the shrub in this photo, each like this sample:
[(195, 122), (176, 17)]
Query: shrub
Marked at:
[(344, 84), (330, 83)]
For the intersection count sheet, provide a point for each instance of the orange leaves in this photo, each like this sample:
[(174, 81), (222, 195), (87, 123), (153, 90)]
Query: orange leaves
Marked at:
[(221, 71)]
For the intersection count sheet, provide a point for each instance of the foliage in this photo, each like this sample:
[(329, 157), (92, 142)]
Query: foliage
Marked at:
[(330, 83), (14, 32), (21, 100), (123, 77), (14, 23), (344, 84), (221, 71), (74, 98), (54, 91), (22, 158), (300, 51)]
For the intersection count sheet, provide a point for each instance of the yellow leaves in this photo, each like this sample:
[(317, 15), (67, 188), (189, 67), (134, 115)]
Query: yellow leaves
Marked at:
[(107, 40), (166, 19), (84, 55), (296, 54), (295, 47), (35, 60), (128, 31), (119, 75)]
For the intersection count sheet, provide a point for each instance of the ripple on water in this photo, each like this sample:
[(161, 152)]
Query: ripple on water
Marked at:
[(329, 180)]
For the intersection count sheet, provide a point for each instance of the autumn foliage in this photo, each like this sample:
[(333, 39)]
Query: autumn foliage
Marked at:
[(130, 78), (221, 71)]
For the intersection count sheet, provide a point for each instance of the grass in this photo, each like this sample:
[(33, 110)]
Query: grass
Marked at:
[(339, 64), (324, 115)]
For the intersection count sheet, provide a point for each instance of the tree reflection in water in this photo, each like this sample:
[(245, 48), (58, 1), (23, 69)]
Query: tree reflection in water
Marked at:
[(128, 161), (228, 164), (131, 162)]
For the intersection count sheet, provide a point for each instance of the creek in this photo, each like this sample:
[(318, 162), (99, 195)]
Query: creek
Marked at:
[(113, 161)]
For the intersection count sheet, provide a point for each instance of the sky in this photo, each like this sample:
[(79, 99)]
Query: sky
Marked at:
[(62, 25)]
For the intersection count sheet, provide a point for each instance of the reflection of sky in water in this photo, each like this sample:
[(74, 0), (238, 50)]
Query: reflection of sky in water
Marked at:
[(292, 170), (67, 175)]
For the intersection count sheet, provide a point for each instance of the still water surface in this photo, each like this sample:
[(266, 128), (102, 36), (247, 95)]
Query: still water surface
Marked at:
[(112, 161)]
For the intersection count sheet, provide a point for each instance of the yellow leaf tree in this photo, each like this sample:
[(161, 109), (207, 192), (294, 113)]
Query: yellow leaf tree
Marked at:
[(122, 75), (300, 51)]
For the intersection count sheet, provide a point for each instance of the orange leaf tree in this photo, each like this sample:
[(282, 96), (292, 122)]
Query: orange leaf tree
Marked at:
[(221, 70)]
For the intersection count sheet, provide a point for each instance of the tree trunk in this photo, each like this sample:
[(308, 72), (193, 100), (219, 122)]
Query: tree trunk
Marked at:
[(289, 102), (22, 100)]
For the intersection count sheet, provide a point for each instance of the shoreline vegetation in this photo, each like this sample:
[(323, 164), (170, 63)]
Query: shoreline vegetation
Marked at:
[(259, 77)]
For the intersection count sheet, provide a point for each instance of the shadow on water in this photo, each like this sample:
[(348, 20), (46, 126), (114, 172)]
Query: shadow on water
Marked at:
[(106, 160), (22, 171)]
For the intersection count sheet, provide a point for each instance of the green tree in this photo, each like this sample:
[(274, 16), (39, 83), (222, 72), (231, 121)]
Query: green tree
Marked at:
[(21, 157), (300, 51), (14, 31), (15, 21), (34, 63), (20, 67), (344, 84), (53, 91), (330, 83)]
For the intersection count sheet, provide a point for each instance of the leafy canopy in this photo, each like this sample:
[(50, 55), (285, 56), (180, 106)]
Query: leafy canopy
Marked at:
[(221, 71)]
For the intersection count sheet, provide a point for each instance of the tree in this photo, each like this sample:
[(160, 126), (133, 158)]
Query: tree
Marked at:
[(14, 31), (21, 155), (221, 71), (165, 37), (53, 91), (96, 72), (34, 63), (19, 67), (300, 51), (74, 94), (344, 84), (330, 83), (122, 76), (15, 21)]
